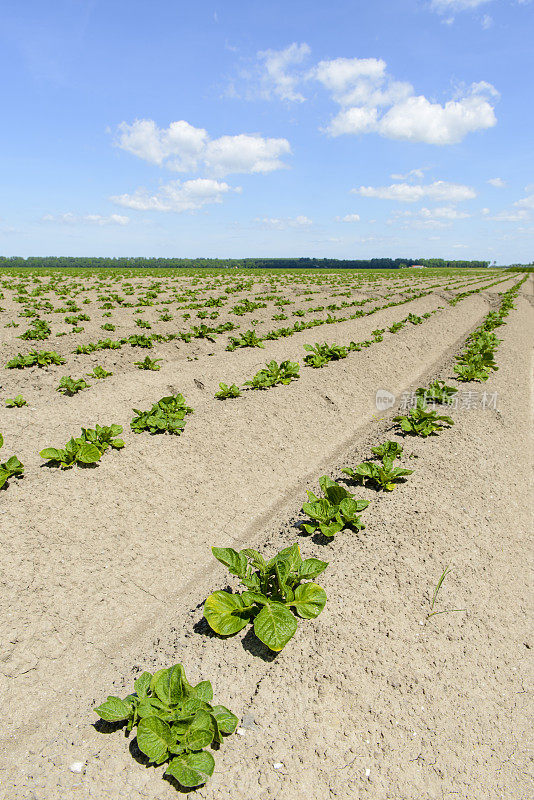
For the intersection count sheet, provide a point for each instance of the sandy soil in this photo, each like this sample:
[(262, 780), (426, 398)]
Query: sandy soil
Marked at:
[(105, 570)]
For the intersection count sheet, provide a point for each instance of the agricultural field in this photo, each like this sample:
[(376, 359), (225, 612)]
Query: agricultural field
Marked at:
[(356, 448)]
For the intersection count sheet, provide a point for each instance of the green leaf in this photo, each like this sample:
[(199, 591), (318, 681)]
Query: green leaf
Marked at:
[(168, 684), (226, 613), (142, 684), (275, 625), (192, 769), (226, 721), (1, 440), (204, 691), (51, 454), (311, 567), (115, 709), (200, 732), (88, 454), (154, 738), (235, 562), (309, 600)]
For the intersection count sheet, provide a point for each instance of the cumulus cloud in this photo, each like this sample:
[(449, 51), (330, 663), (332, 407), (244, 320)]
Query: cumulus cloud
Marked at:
[(279, 78), (349, 218), (283, 223), (413, 174), (183, 148), (439, 217), (452, 6), (88, 219), (373, 101), (522, 211), (177, 196), (441, 191), (497, 182)]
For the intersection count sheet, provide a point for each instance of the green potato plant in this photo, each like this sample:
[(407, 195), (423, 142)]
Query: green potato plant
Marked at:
[(321, 354), (16, 402), (273, 374), (165, 416), (389, 449), (148, 363), (335, 511), (226, 391), (247, 339), (76, 451), (383, 476), (103, 437), (36, 358), (10, 468), (273, 588), (71, 386), (421, 421), (174, 722), (99, 373), (437, 392)]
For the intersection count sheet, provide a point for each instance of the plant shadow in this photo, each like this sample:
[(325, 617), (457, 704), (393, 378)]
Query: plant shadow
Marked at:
[(256, 648)]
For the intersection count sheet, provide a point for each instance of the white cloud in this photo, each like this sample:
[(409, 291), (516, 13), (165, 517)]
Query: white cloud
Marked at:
[(349, 218), (176, 196), (497, 182), (278, 79), (418, 120), (525, 202), (183, 148), (354, 120), (413, 173), (283, 223), (88, 219), (522, 211), (442, 191), (439, 217), (448, 6)]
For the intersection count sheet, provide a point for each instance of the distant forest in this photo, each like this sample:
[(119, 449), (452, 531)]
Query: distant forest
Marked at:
[(221, 263)]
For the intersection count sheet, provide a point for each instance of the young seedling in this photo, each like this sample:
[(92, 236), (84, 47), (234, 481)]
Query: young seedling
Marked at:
[(34, 358), (175, 721), (76, 451), (321, 354), (437, 392), (70, 386), (247, 339), (148, 363), (104, 436), (165, 416), (99, 373), (274, 373), (421, 421), (10, 468), (335, 511), (389, 449), (433, 613), (383, 475), (16, 402), (273, 588), (226, 391)]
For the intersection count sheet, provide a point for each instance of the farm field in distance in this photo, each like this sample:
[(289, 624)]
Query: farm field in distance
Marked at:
[(397, 688)]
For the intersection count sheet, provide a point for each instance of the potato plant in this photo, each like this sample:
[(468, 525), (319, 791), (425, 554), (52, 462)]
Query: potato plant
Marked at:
[(16, 402), (335, 511), (437, 392), (273, 374), (421, 421), (226, 391), (35, 358), (165, 416), (273, 589), (174, 723), (71, 386), (10, 468), (148, 363), (383, 475)]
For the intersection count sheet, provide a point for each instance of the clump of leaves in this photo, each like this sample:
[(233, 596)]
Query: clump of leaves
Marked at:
[(384, 475), (39, 330), (273, 588), (108, 326), (99, 372), (437, 392), (10, 468), (274, 373), (165, 416), (175, 721), (247, 339), (414, 319), (226, 391), (321, 354), (35, 358), (422, 421), (71, 386), (76, 451), (16, 402), (389, 449), (148, 363), (103, 436), (138, 340), (335, 511)]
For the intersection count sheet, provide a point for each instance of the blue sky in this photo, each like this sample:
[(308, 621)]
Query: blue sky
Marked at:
[(343, 130)]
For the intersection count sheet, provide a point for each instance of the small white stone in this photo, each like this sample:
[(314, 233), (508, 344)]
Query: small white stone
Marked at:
[(77, 766), (241, 732), (278, 765), (367, 772)]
